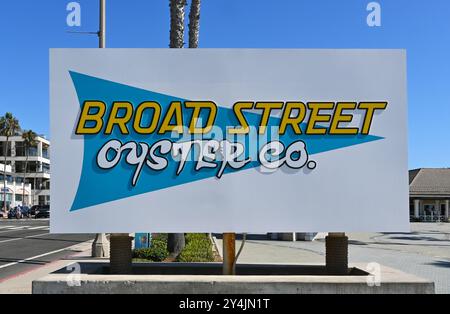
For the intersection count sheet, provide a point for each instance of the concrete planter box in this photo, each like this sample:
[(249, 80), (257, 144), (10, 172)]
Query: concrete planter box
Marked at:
[(199, 278)]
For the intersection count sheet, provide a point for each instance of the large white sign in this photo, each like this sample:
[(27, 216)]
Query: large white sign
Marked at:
[(228, 140)]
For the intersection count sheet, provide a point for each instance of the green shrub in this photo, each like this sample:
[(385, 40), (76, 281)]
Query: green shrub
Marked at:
[(198, 249), (157, 252), (196, 237)]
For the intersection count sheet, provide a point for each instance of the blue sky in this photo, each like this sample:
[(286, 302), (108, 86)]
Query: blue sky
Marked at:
[(29, 28)]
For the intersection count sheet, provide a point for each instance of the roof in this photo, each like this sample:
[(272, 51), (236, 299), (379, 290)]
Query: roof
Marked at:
[(18, 138), (429, 182)]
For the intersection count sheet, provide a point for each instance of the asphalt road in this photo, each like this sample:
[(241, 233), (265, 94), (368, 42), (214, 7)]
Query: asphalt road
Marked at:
[(26, 244)]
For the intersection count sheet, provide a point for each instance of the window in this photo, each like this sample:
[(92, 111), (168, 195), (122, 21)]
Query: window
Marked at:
[(30, 181), (32, 151), (45, 151), (20, 149), (8, 178), (42, 184), (45, 168), (2, 149), (32, 166), (8, 197), (41, 199), (20, 166)]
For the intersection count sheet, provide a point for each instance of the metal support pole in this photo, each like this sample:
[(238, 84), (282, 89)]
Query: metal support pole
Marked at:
[(336, 253), (98, 246), (120, 253), (416, 208), (102, 26), (229, 253), (447, 209)]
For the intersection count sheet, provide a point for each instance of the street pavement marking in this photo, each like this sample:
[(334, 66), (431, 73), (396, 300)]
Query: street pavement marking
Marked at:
[(23, 228), (31, 236), (9, 230), (39, 227), (19, 227), (32, 258), (8, 226)]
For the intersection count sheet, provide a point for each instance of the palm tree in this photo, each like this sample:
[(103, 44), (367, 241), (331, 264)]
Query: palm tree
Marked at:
[(194, 23), (177, 23), (29, 140), (9, 126), (176, 241)]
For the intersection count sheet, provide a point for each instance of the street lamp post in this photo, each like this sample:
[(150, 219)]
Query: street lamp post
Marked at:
[(102, 26), (100, 241), (120, 243)]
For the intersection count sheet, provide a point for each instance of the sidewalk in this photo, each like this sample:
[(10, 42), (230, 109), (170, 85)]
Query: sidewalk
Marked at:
[(21, 283), (268, 251), (424, 252)]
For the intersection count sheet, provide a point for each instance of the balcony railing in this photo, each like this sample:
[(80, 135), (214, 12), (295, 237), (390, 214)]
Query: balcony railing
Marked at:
[(429, 218)]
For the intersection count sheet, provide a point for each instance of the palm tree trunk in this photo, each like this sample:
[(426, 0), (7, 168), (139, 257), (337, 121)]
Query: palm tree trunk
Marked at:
[(176, 241), (175, 244), (194, 23), (24, 175), (5, 151), (177, 23)]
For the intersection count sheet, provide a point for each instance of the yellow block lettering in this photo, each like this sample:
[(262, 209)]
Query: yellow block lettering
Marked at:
[(120, 121), (315, 117), (198, 106), (237, 109), (138, 117), (340, 117), (173, 111), (294, 122), (370, 108), (267, 108), (87, 116)]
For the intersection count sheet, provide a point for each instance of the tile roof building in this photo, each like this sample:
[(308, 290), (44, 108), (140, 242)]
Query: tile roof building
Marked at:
[(429, 194)]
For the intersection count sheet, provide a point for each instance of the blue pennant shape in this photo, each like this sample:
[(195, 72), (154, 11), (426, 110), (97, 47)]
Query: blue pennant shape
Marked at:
[(99, 186)]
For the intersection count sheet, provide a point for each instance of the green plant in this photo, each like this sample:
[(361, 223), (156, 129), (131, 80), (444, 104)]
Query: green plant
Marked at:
[(9, 126), (29, 140), (157, 252), (198, 249)]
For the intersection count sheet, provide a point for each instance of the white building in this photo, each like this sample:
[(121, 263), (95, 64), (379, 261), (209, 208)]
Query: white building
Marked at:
[(38, 168), (15, 189)]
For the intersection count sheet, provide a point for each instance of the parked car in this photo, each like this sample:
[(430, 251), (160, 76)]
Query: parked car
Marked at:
[(25, 210), (15, 213), (33, 210), (42, 211)]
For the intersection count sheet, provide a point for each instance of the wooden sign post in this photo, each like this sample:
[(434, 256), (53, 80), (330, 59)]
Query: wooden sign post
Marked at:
[(229, 253)]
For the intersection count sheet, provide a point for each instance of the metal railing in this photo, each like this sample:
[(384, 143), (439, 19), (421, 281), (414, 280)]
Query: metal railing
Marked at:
[(430, 218)]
